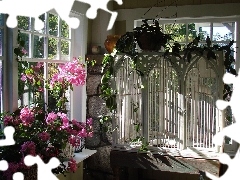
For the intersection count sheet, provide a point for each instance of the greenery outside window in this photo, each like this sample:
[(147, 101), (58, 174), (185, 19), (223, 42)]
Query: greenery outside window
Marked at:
[(51, 45)]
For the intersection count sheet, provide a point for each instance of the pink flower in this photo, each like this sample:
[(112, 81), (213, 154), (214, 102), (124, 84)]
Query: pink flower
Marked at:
[(65, 120), (51, 117), (7, 120), (44, 136), (72, 140), (89, 121), (40, 89), (24, 51), (23, 77), (12, 168), (90, 134), (83, 133), (26, 116), (65, 123), (72, 165), (28, 148)]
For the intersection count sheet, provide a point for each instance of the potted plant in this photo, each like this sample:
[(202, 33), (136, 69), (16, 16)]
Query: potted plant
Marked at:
[(148, 37), (42, 131)]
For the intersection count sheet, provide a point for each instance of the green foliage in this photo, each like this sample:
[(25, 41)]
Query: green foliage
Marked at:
[(177, 33)]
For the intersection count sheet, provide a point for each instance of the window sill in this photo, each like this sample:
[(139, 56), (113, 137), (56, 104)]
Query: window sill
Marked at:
[(79, 158)]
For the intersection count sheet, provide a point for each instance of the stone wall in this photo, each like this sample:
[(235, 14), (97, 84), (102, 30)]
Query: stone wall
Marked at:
[(97, 167)]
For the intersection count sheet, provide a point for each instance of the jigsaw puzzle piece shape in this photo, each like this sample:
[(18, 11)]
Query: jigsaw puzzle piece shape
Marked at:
[(44, 170), (231, 131), (101, 4), (8, 132), (18, 176), (29, 8), (64, 13), (3, 165)]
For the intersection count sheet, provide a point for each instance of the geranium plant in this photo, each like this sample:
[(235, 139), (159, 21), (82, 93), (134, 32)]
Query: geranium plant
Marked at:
[(40, 130)]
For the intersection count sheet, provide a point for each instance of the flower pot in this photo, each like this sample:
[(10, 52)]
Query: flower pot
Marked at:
[(110, 42), (148, 42), (96, 49), (68, 151)]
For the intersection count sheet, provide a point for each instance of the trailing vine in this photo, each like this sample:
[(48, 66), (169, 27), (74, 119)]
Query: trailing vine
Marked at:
[(20, 51), (127, 44)]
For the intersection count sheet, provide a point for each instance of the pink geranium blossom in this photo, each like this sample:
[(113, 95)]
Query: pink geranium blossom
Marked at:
[(26, 116), (28, 147), (72, 165), (44, 136), (51, 117)]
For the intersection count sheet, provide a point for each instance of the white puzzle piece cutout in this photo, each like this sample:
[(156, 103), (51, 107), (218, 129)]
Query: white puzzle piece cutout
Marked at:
[(44, 170), (35, 8), (232, 131), (8, 133)]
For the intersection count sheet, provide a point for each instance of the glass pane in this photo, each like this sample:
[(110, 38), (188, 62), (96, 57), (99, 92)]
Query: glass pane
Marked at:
[(223, 31), (53, 100), (42, 31), (64, 30), (52, 48), (24, 23), (38, 50), (53, 25), (65, 48), (25, 37), (32, 92), (198, 29), (1, 86), (1, 20), (177, 30), (1, 42)]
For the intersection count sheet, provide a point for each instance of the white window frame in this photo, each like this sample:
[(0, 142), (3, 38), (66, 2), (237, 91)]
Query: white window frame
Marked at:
[(229, 148), (78, 49), (2, 59)]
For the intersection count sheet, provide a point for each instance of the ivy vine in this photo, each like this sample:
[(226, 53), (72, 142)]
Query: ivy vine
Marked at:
[(19, 51), (127, 44)]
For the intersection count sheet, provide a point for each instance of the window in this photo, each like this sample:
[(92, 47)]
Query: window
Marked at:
[(220, 31), (52, 45), (1, 58)]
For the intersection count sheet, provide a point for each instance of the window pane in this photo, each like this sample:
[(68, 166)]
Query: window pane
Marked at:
[(30, 93), (42, 31), (65, 47), (1, 20), (1, 42), (178, 31), (53, 25), (38, 51), (223, 31), (198, 29), (24, 23), (1, 87), (52, 101), (52, 48), (192, 32), (25, 37), (64, 30)]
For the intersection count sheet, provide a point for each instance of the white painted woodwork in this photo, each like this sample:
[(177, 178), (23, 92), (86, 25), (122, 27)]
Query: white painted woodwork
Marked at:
[(176, 107)]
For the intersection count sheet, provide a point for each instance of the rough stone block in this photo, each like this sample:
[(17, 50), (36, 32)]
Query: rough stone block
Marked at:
[(100, 161), (93, 84), (96, 107), (93, 142)]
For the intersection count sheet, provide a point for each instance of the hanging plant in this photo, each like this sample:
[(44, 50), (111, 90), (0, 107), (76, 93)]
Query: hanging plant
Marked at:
[(155, 39), (151, 37)]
